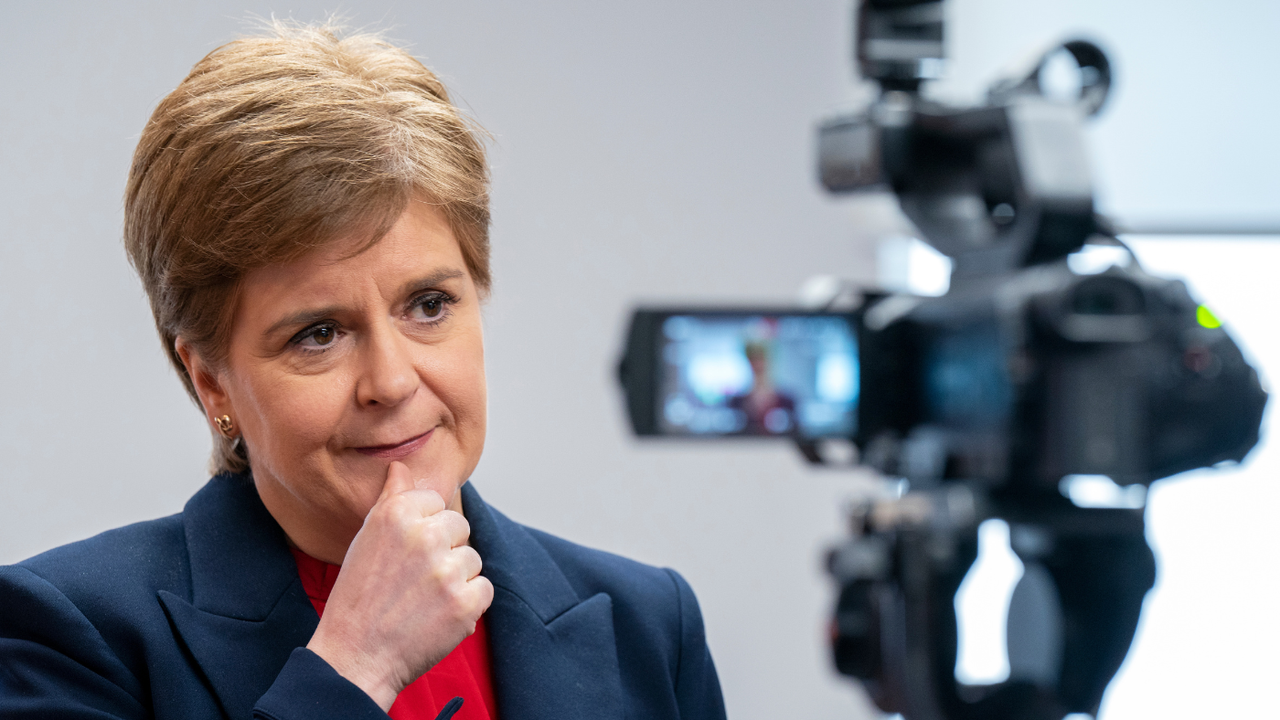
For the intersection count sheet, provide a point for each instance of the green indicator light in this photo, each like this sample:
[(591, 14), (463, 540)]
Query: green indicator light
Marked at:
[(1207, 318)]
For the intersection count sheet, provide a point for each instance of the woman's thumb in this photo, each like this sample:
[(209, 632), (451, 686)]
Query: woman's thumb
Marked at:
[(398, 480)]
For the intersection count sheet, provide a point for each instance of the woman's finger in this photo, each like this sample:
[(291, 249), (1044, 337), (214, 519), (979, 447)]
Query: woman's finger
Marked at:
[(482, 586), (470, 562), (455, 526), (425, 502)]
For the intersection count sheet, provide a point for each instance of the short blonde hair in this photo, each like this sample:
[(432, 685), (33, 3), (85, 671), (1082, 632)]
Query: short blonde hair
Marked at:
[(275, 146)]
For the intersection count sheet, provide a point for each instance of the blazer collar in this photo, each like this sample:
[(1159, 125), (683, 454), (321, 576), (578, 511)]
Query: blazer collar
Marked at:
[(247, 610), (516, 562), (240, 560), (554, 652)]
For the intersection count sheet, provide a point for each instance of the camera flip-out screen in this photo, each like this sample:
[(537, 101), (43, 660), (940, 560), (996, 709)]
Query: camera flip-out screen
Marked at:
[(735, 373)]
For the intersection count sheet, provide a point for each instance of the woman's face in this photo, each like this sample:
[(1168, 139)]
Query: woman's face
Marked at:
[(339, 365)]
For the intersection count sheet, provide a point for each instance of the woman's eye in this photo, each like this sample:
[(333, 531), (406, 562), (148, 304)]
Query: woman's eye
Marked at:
[(429, 307), (317, 337)]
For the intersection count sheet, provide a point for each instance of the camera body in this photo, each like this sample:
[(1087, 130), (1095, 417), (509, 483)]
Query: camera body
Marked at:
[(1031, 376)]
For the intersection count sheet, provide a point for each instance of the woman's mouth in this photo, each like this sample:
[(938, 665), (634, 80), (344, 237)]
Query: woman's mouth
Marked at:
[(398, 450)]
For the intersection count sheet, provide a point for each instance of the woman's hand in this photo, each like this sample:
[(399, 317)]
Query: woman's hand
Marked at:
[(409, 591)]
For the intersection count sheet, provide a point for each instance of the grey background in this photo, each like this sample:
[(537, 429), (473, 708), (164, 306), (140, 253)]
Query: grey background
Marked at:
[(643, 151)]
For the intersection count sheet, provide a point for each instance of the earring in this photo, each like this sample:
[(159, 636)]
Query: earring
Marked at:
[(225, 426)]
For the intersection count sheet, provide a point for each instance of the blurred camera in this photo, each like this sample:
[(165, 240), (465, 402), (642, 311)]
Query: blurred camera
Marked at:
[(1035, 367)]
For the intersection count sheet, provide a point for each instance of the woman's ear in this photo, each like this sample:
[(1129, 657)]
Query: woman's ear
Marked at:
[(207, 384)]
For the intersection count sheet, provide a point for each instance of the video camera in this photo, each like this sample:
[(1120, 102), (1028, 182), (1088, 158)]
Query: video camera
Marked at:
[(1031, 371)]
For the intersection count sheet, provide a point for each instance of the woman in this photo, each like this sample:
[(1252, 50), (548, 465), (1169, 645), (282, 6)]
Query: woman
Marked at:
[(309, 218)]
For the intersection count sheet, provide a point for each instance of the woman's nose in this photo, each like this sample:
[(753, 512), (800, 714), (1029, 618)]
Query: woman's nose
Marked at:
[(389, 376)]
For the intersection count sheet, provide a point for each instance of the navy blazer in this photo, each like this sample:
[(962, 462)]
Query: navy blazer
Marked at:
[(202, 615)]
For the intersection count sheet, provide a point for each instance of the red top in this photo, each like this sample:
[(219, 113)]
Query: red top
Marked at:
[(466, 672)]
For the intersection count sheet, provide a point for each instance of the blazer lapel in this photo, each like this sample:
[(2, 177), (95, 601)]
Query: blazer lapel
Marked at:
[(247, 611), (554, 654)]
